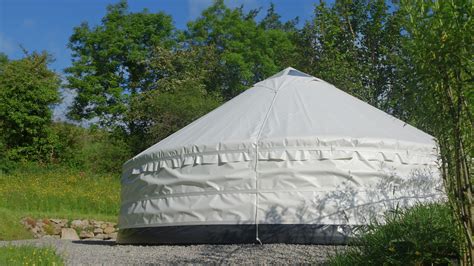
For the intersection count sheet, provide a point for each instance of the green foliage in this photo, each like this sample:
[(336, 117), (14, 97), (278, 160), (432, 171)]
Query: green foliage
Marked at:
[(109, 62), (247, 52), (3, 58), (272, 21), (178, 98), (438, 53), (354, 45), (422, 235), (27, 90), (129, 72), (92, 150), (29, 255)]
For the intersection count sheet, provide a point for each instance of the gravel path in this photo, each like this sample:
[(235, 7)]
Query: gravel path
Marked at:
[(108, 253)]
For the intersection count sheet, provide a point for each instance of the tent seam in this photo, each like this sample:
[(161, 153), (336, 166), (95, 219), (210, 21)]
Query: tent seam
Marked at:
[(248, 191), (256, 160)]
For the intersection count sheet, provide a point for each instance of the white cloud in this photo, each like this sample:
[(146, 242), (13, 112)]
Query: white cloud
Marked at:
[(7, 45)]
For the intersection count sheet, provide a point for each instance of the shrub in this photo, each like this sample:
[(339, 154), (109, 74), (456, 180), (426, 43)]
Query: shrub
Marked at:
[(27, 90), (90, 149), (421, 235)]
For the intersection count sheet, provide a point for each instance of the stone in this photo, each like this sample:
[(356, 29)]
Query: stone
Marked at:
[(60, 222), (39, 224), (96, 223), (109, 230), (34, 229), (56, 229), (69, 233), (85, 223), (99, 236), (80, 224), (86, 234), (65, 229), (76, 224), (29, 222), (113, 236)]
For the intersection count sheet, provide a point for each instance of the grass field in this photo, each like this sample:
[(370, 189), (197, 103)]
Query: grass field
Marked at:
[(54, 192), (28, 255)]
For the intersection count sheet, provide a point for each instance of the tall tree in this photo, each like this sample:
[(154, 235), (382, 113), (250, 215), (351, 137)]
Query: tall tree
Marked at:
[(272, 21), (27, 91), (329, 51), (109, 62), (180, 97), (439, 49), (247, 52), (353, 44)]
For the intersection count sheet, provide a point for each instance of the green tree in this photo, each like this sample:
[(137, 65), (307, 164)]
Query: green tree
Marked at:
[(328, 49), (109, 62), (438, 52), (27, 91), (272, 21), (179, 97), (3, 58), (354, 45), (247, 52)]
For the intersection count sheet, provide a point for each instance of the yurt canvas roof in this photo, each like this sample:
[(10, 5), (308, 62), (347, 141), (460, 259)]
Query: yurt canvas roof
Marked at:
[(290, 104)]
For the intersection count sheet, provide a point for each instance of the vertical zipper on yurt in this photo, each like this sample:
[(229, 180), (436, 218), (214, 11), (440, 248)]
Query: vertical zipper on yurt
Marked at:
[(256, 163)]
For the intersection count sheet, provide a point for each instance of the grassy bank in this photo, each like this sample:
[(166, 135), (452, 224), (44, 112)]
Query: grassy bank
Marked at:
[(29, 255), (54, 191)]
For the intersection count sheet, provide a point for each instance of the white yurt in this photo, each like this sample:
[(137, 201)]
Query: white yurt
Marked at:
[(291, 160)]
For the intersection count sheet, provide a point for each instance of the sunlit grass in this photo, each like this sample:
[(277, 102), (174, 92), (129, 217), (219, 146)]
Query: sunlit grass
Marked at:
[(28, 255), (55, 192), (10, 226)]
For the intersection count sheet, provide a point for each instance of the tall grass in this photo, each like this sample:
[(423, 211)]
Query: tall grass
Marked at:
[(422, 235), (54, 192), (32, 188), (28, 255), (10, 226)]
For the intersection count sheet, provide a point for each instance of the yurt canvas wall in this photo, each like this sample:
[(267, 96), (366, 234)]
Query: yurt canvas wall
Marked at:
[(292, 159)]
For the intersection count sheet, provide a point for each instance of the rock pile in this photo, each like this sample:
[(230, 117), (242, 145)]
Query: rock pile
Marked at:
[(71, 229)]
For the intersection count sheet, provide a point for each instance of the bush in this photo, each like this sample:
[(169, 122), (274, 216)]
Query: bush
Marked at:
[(90, 149), (27, 90), (421, 235), (86, 149)]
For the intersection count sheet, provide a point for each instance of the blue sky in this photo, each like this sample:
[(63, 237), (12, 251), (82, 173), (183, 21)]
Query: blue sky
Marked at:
[(47, 24)]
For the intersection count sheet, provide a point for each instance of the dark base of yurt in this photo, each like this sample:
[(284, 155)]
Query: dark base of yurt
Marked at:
[(237, 234)]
